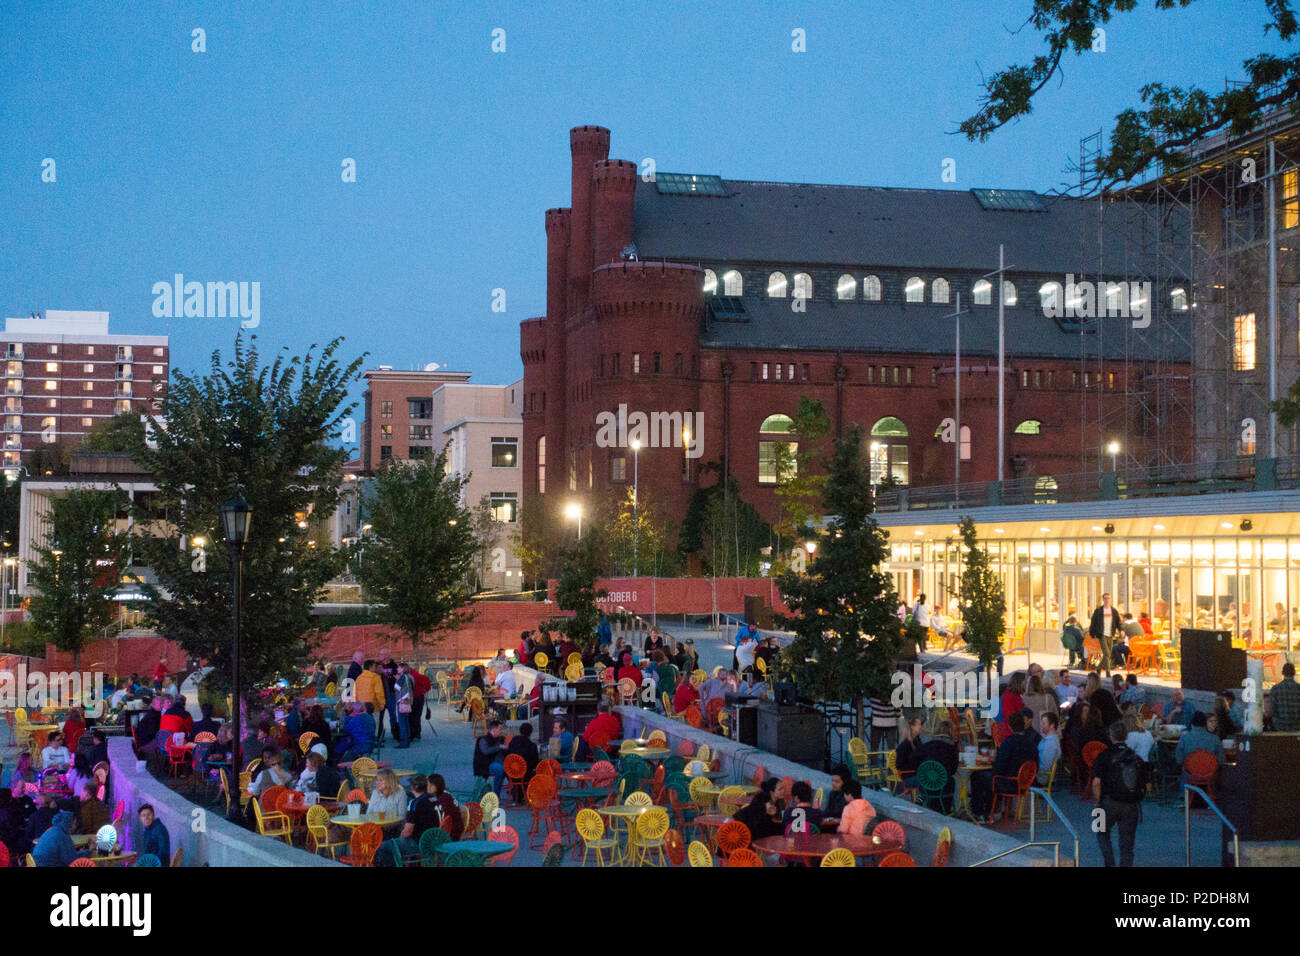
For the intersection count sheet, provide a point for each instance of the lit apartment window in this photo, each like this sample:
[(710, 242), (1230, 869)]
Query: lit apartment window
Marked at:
[(778, 371), (636, 363), (846, 288), (1290, 198), (1024, 378), (939, 290), (385, 409), (710, 282), (85, 422), (90, 349), (15, 368), (1008, 292), (54, 350), (505, 505), (52, 367), (964, 442), (419, 432), (88, 368), (732, 283), (159, 352), (123, 406), (157, 369), (88, 386), (52, 403), (982, 292), (505, 452), (765, 371), (541, 465), (871, 288), (1178, 299), (914, 290), (1243, 342), (51, 385), (776, 285), (618, 468), (803, 286), (88, 403), (385, 431)]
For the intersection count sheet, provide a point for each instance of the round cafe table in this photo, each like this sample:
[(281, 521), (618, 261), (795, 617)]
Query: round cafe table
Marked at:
[(383, 820), (817, 845), (964, 771), (623, 814), (483, 848)]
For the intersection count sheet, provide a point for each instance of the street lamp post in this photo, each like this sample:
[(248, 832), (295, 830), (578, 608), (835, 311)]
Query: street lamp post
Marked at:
[(574, 510), (236, 518), (636, 522), (1113, 448)]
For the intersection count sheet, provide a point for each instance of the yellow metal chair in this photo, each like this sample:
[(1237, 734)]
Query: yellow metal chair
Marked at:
[(705, 753), (731, 799), (698, 677), (489, 803), (698, 854), (638, 798), (272, 823), (647, 833), (318, 828), (668, 708), (839, 857), (701, 793), (574, 672), (657, 737), (591, 828)]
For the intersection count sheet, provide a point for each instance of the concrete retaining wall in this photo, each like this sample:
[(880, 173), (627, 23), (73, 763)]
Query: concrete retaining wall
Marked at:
[(971, 843), (206, 836)]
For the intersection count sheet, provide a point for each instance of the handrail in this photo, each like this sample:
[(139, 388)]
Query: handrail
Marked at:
[(1039, 791), (1056, 855), (1187, 822)]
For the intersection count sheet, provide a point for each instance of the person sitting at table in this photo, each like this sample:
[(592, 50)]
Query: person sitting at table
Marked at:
[(54, 847), (206, 722), (176, 718), (561, 742), (1049, 745), (489, 752), (523, 744), (24, 768), (270, 773), (147, 727), (1012, 699), (259, 736), (1038, 700), (1137, 738), (1178, 710), (506, 683), (942, 748), (857, 811), (328, 778), (837, 799), (1016, 750), (685, 695), (102, 775), (911, 734), (307, 779), (79, 774), (358, 737), (1134, 693), (119, 695), (388, 797), (295, 718), (629, 670), (1226, 727), (55, 755), (606, 726), (154, 837), (318, 725), (422, 813), (1200, 736), (447, 808), (74, 727), (1101, 699), (219, 752), (92, 813), (761, 814), (802, 814)]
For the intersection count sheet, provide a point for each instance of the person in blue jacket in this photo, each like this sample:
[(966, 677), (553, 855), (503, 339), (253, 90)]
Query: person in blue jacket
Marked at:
[(55, 846), (155, 838)]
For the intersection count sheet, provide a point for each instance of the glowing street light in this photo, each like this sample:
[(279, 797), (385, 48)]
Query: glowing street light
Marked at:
[(573, 511), (1113, 449)]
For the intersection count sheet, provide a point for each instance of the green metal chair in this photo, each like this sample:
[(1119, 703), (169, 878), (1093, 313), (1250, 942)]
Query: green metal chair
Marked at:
[(430, 840), (931, 782), (464, 858), (147, 859)]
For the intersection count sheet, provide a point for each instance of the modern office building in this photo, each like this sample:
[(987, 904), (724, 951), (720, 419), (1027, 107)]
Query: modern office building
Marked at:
[(65, 372)]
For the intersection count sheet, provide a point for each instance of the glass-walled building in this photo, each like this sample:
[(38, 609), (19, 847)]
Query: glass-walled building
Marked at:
[(1233, 564)]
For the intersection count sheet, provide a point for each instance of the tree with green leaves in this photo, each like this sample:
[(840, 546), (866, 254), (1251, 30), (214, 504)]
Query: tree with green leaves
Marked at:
[(121, 433), (575, 589), (486, 530), (1159, 135), (420, 549), (843, 610), (982, 601), (800, 475), (10, 497), (268, 429), (78, 569), (638, 536), (535, 541)]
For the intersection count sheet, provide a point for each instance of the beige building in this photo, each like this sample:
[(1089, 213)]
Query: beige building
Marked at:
[(483, 425)]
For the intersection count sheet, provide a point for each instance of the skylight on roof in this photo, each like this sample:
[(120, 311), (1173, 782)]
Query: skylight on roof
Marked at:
[(689, 184), (1010, 200), (728, 308)]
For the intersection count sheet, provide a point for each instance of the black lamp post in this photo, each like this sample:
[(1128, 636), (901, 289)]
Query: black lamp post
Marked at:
[(236, 518)]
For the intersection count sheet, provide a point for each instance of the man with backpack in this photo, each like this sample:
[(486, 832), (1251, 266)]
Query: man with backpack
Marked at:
[(1119, 782)]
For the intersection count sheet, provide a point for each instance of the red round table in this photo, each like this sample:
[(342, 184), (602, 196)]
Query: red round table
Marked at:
[(817, 845)]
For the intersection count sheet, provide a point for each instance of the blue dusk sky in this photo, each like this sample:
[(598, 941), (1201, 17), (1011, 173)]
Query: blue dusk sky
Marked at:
[(225, 165)]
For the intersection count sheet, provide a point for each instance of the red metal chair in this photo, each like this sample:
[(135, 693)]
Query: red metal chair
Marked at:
[(1202, 770), (732, 835), (897, 859), (675, 847), (516, 768), (744, 857), (1024, 779), (1089, 756), (504, 835)]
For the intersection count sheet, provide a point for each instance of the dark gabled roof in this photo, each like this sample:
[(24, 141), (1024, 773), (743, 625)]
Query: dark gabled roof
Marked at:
[(868, 226), (927, 329)]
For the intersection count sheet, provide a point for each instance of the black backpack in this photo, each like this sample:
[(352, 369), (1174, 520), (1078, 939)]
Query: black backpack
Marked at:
[(1125, 776)]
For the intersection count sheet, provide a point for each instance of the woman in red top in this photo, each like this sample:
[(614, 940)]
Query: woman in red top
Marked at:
[(630, 670), (1012, 699), (685, 696)]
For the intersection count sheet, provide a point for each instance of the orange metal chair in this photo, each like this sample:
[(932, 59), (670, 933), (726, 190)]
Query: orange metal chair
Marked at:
[(365, 841), (1202, 770), (732, 835), (1088, 756), (890, 831), (744, 857), (1024, 779), (675, 847), (82, 861), (942, 848), (475, 818), (693, 716), (516, 768), (760, 774), (504, 835), (541, 797), (686, 748), (551, 767), (897, 859)]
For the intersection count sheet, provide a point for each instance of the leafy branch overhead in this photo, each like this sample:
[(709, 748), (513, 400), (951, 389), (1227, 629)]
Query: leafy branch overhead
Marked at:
[(1158, 136)]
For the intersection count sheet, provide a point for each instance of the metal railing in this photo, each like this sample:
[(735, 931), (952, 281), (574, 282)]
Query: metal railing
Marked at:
[(1033, 821), (1188, 790), (1225, 475), (1056, 853)]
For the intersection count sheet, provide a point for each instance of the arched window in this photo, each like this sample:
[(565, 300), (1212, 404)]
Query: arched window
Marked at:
[(776, 285), (1009, 292), (1045, 490), (939, 290), (888, 451), (1114, 297), (1178, 300), (774, 448), (732, 283), (982, 292), (1030, 426), (846, 288), (871, 288), (541, 465), (1049, 294), (802, 285), (914, 291), (710, 282)]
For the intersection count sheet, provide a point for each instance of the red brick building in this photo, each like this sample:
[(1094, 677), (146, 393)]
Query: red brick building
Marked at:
[(398, 419), (726, 301), (65, 373)]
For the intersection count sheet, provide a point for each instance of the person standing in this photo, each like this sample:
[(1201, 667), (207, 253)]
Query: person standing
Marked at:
[(1119, 782), (1285, 700), (422, 686), (403, 705), (1106, 623)]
